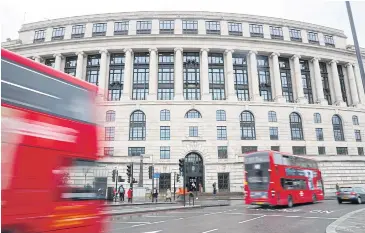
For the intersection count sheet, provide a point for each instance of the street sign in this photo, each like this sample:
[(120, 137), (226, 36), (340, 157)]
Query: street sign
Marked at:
[(156, 175)]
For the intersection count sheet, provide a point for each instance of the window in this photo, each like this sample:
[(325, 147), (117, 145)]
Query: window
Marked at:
[(248, 149), (293, 184), (141, 73), (295, 35), (144, 27), (164, 182), (221, 133), (191, 76), (222, 152), (137, 126), (121, 28), (213, 27), (276, 33), (108, 151), (164, 152), (50, 62), (216, 76), (78, 31), (221, 115), (256, 30), (274, 133), (99, 29), (193, 131), (296, 127), (165, 76), (116, 76), (360, 150), (93, 69), (342, 84), (357, 135), (317, 118), (275, 148), (193, 114), (328, 40), (241, 76), (223, 182), (110, 116), (247, 126), (70, 65), (299, 150), (58, 33), (136, 151), (263, 70), (164, 132), (355, 120), (235, 29), (286, 80), (165, 115), (190, 27), (321, 150), (319, 134), (342, 151), (306, 81), (39, 36), (109, 133), (313, 38), (272, 116), (337, 128), (167, 27)]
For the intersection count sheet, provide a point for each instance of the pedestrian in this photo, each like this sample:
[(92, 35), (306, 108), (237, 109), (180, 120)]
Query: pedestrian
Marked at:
[(130, 195), (337, 187), (214, 188), (168, 195), (200, 188), (121, 193), (155, 195)]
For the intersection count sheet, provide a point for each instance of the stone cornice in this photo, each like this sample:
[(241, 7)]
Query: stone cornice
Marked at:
[(181, 15)]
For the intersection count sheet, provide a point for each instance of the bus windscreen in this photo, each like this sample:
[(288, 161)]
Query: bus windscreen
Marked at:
[(257, 171)]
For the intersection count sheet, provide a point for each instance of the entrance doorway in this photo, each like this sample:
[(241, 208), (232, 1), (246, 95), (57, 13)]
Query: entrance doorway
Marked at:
[(194, 171)]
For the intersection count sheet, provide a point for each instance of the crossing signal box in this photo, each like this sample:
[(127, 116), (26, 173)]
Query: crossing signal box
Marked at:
[(114, 175), (150, 172), (177, 178), (181, 165)]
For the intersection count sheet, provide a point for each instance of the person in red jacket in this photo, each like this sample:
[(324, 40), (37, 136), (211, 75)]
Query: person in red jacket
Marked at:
[(130, 195)]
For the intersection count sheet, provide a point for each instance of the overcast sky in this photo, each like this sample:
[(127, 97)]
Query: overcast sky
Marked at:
[(13, 13)]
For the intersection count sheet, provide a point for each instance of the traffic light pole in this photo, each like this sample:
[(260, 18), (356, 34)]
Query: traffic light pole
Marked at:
[(184, 181), (174, 184), (153, 180), (116, 185)]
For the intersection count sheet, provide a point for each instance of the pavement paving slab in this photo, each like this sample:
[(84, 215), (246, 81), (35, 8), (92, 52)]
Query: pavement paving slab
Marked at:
[(353, 222)]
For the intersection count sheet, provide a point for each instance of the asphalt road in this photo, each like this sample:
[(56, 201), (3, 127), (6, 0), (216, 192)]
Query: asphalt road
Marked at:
[(237, 218)]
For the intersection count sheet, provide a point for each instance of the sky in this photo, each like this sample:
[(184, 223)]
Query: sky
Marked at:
[(327, 13)]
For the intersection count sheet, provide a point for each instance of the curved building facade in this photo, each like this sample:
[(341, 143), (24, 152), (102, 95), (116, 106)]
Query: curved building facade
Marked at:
[(211, 87)]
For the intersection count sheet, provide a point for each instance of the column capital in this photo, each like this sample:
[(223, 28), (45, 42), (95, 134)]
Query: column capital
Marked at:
[(333, 62), (295, 56), (275, 54), (178, 49), (228, 51), (204, 50), (314, 59), (80, 53), (128, 50), (349, 64), (152, 50), (252, 52), (101, 51), (57, 55)]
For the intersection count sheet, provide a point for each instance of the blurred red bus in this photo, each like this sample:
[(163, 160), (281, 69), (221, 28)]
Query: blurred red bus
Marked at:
[(277, 179), (48, 132)]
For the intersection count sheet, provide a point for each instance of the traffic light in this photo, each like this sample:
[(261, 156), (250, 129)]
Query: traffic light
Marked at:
[(114, 174), (129, 170), (177, 178), (150, 172), (181, 165)]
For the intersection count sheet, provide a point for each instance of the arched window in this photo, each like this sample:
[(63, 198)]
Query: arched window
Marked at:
[(137, 126), (247, 125), (337, 128), (221, 115), (110, 116), (317, 118), (355, 120), (165, 115), (193, 114), (272, 116), (296, 127)]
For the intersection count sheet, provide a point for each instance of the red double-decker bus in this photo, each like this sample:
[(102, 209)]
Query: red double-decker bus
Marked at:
[(277, 179), (49, 133)]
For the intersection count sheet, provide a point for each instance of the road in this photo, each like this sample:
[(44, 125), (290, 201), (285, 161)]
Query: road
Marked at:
[(237, 218)]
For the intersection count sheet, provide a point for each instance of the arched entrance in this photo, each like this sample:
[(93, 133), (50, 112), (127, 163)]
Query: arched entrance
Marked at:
[(194, 171)]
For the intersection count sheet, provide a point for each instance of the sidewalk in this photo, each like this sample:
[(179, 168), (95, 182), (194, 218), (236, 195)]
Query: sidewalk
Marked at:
[(352, 222)]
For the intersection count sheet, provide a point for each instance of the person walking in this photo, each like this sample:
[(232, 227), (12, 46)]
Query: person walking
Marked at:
[(130, 195), (121, 193), (155, 195), (168, 195), (214, 189)]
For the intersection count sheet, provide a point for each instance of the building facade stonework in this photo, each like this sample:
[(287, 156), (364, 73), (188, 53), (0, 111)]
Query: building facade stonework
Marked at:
[(211, 87)]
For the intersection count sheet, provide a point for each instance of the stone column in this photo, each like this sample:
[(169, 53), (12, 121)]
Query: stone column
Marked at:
[(128, 72), (277, 79), (79, 64), (352, 83), (253, 77), (336, 84), (359, 85), (204, 78), (58, 60), (153, 75), (298, 80), (231, 93), (37, 59), (178, 73), (102, 75), (318, 78)]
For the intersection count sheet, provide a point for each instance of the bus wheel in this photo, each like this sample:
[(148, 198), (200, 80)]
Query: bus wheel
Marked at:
[(314, 198), (290, 202)]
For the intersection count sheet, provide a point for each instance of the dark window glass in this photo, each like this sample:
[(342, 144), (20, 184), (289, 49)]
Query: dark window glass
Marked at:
[(164, 132), (165, 115), (216, 76), (191, 76), (221, 115), (213, 27), (342, 151), (313, 38), (70, 65), (355, 120), (222, 152), (50, 62), (137, 126), (317, 118), (360, 150), (193, 114), (141, 72), (165, 76), (342, 84), (221, 133), (223, 181), (286, 80), (164, 182), (328, 40), (295, 35), (275, 148), (357, 135), (276, 33), (296, 127), (109, 133), (235, 29), (248, 149), (144, 27), (136, 151), (93, 69), (39, 36), (116, 76), (247, 126), (164, 153), (299, 150), (306, 81), (99, 29), (337, 128), (58, 33), (325, 82), (110, 116), (78, 31), (319, 134), (190, 27), (121, 28), (263, 69), (256, 30), (321, 150), (274, 133), (193, 131), (240, 72)]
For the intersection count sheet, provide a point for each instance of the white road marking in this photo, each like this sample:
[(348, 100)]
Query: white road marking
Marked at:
[(252, 219), (210, 230), (213, 213), (153, 231), (159, 216)]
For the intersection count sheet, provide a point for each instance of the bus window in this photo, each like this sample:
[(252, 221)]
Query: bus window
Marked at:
[(293, 184), (278, 159), (286, 160)]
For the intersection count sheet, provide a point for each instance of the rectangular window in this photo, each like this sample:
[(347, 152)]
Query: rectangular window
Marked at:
[(216, 76), (193, 131), (221, 133), (325, 82), (164, 152), (78, 31), (360, 150), (121, 28), (141, 74), (165, 115), (221, 115), (50, 62), (223, 182), (263, 69), (319, 134), (235, 29), (99, 29), (357, 135), (92, 69), (136, 151), (241, 76), (299, 150), (191, 76), (164, 132), (275, 148), (248, 149), (190, 27), (286, 80), (222, 152), (313, 38), (274, 133), (39, 36), (167, 27), (165, 76), (213, 27), (321, 150), (328, 40), (342, 151), (144, 27), (109, 133), (306, 81), (256, 30), (295, 35), (276, 33), (58, 33), (116, 76), (70, 65), (108, 151)]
